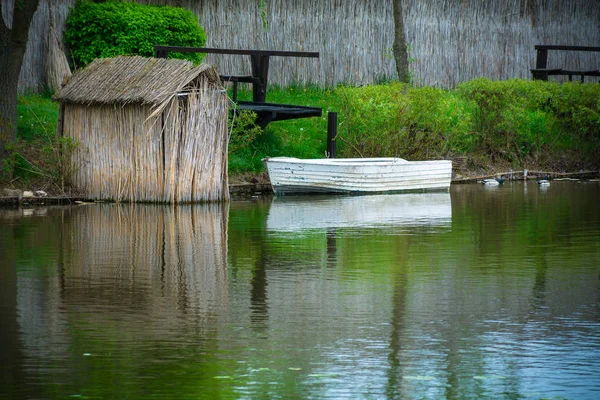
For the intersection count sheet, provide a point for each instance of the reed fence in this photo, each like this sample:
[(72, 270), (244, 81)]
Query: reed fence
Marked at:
[(451, 41)]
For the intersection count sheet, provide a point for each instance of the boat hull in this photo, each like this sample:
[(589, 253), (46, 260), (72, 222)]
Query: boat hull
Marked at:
[(357, 175)]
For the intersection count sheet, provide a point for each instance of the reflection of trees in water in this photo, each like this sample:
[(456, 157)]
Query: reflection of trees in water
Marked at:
[(539, 286), (529, 214), (394, 388), (11, 367), (259, 308), (16, 379), (331, 247), (251, 248), (438, 340)]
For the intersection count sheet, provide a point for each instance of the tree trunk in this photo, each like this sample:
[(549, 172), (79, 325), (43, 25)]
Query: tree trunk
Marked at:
[(13, 43), (399, 48), (8, 108)]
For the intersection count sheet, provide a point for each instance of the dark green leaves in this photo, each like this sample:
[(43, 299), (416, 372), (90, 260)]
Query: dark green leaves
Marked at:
[(97, 30)]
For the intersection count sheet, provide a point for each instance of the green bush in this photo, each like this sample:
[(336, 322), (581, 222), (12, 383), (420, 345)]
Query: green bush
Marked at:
[(515, 121), (243, 130), (577, 106), (112, 28), (519, 119), (243, 133), (397, 120), (371, 113), (438, 122), (511, 118)]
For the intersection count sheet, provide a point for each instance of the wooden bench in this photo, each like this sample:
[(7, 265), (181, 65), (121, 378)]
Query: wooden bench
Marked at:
[(541, 71), (266, 112)]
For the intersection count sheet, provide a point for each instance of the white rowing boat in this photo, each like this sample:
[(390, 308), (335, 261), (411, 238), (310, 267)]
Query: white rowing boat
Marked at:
[(356, 175)]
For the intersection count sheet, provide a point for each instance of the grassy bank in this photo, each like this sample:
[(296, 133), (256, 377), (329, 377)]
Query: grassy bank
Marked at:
[(492, 125)]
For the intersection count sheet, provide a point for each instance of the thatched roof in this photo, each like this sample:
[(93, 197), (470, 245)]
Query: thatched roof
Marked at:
[(131, 80)]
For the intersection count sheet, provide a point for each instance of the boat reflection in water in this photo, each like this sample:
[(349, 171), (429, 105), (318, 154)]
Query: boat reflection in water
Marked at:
[(289, 214)]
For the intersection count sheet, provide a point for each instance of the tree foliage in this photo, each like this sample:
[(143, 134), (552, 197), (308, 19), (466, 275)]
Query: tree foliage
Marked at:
[(112, 28)]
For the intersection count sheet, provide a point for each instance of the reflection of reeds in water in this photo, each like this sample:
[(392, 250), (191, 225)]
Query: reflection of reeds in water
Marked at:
[(150, 257)]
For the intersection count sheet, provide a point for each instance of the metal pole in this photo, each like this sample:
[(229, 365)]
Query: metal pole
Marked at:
[(331, 134)]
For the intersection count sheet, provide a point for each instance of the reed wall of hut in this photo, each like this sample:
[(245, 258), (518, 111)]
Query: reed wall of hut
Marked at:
[(451, 41), (148, 130)]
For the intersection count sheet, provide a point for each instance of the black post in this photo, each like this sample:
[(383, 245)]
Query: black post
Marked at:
[(260, 70), (541, 62), (331, 134), (235, 90)]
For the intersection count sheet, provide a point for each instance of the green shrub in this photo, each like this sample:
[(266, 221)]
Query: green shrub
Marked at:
[(243, 130), (112, 28), (397, 120), (438, 123), (511, 118), (577, 106), (371, 113), (519, 119), (248, 143), (515, 121), (243, 133)]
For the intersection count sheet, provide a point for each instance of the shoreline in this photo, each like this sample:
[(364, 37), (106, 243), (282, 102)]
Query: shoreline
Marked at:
[(245, 190)]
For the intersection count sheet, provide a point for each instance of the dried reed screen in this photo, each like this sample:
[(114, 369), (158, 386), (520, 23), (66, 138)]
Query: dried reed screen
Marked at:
[(175, 152), (450, 40)]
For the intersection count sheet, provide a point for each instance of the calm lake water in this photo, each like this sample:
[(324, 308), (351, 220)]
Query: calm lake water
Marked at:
[(477, 293)]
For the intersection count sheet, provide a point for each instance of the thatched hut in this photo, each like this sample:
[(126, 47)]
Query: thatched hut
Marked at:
[(147, 129)]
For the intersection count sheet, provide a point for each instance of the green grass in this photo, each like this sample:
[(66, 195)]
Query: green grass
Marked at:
[(37, 117), (31, 155)]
